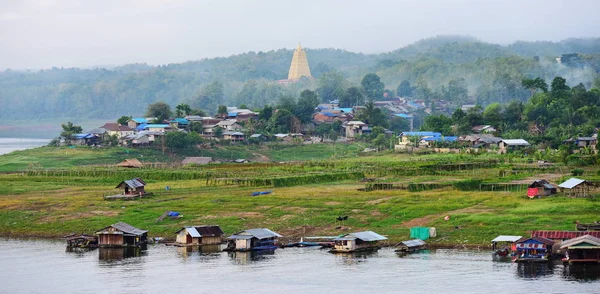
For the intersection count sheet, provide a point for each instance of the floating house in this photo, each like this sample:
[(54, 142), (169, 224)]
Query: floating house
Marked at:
[(253, 240), (560, 236), (411, 246), (540, 188), (199, 235), (121, 235), (505, 245), (576, 187), (81, 241), (582, 249), (359, 241), (533, 249)]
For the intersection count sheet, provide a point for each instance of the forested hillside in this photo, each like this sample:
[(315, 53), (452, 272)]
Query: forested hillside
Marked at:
[(459, 69)]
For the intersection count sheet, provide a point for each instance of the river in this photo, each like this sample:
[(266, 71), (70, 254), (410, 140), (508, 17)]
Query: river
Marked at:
[(8, 145), (44, 266)]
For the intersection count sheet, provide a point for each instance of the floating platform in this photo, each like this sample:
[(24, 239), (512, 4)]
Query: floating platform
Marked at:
[(127, 196)]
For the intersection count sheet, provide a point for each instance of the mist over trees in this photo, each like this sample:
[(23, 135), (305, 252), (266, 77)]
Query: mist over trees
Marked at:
[(459, 69)]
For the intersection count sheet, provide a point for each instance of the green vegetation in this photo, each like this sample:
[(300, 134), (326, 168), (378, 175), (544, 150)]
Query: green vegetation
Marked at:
[(307, 197)]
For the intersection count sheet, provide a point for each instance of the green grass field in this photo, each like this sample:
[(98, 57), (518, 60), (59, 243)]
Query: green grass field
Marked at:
[(305, 202)]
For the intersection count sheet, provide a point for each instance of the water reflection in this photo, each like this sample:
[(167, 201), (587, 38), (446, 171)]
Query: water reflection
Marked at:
[(205, 250), (354, 258), (78, 252), (109, 255), (403, 254), (534, 270), (582, 272), (250, 256)]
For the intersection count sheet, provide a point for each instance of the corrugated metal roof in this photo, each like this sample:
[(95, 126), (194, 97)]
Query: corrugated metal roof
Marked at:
[(403, 115), (581, 239), (563, 234), (503, 238), (140, 120), (133, 183), (240, 237), (537, 239), (209, 231), (434, 134), (365, 236), (261, 233), (515, 142), (127, 228), (413, 243), (571, 183), (193, 232)]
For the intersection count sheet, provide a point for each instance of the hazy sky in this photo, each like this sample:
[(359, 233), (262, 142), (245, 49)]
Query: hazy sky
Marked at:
[(82, 33)]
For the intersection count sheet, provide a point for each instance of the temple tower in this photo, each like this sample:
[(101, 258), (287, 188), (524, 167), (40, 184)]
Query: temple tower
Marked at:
[(299, 67)]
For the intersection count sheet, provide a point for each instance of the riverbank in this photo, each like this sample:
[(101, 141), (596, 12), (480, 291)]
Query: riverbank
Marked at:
[(306, 198)]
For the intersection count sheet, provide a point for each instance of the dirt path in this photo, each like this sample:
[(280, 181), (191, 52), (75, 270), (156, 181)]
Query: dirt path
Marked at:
[(422, 221)]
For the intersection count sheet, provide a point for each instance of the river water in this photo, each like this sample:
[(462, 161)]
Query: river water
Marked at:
[(44, 266), (8, 145)]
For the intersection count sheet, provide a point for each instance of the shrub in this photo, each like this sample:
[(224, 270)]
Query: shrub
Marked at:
[(577, 172)]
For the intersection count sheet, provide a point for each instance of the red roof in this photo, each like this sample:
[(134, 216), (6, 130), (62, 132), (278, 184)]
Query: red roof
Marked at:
[(563, 234)]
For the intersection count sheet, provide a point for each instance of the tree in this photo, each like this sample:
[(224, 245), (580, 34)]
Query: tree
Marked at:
[(123, 120), (399, 124), (218, 132), (492, 115), (438, 123), (352, 97), (457, 91), (559, 87), (534, 84), (222, 110), (160, 110), (69, 130), (404, 89), (282, 121), (182, 110), (196, 126), (266, 113), (210, 96), (372, 86), (373, 115), (306, 106), (331, 86)]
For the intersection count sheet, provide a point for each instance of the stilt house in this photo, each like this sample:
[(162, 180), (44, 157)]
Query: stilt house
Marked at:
[(359, 241), (199, 235), (253, 239), (582, 249), (121, 235)]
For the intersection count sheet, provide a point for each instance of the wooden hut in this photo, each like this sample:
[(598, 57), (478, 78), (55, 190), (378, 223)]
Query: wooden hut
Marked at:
[(199, 235), (504, 245), (253, 240), (540, 188), (576, 187), (81, 241), (359, 241), (131, 163), (132, 187), (582, 249), (197, 160), (533, 249), (411, 246), (121, 235)]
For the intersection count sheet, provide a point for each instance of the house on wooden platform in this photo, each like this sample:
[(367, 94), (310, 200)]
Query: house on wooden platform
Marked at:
[(199, 235), (132, 189), (585, 248), (504, 245), (253, 240), (121, 235), (359, 241), (540, 188), (533, 249), (131, 163), (411, 246), (576, 187)]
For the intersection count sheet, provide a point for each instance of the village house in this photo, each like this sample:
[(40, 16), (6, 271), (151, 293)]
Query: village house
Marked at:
[(480, 141), (507, 145), (208, 130), (240, 114), (583, 249), (199, 235), (560, 236), (411, 246), (179, 123), (233, 136), (583, 142), (431, 141), (253, 239), (197, 161), (408, 138), (137, 121), (161, 128), (359, 241), (86, 139), (540, 188), (577, 187), (138, 139), (356, 128), (466, 107), (229, 125), (133, 187), (117, 129), (121, 235)]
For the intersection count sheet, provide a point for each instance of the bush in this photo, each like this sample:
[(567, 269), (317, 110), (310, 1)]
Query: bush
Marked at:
[(577, 172), (468, 185)]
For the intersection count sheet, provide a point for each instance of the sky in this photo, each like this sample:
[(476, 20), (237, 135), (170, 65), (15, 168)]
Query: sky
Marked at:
[(37, 34)]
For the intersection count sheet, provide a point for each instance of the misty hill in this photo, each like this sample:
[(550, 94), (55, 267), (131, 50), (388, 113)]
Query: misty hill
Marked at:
[(490, 72)]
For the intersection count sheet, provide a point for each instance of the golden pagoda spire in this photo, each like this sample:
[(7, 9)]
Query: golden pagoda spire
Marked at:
[(299, 67)]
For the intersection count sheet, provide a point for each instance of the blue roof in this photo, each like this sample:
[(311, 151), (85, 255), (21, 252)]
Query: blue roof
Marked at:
[(232, 113), (345, 110), (181, 121), (441, 139), (141, 127), (432, 134), (329, 114), (84, 136), (321, 107), (415, 105), (403, 115), (140, 120)]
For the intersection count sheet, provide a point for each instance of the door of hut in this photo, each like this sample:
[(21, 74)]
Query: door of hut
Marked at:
[(188, 239)]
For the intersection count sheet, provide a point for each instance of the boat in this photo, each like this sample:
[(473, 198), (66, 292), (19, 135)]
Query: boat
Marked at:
[(588, 227)]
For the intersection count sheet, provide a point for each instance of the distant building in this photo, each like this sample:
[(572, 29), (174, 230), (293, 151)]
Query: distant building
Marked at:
[(121, 235), (199, 235), (299, 66)]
